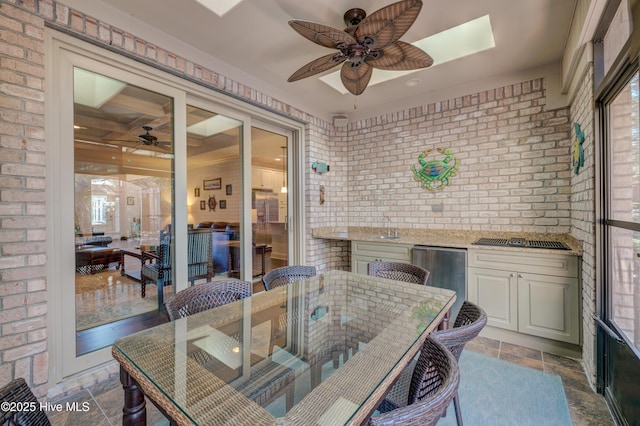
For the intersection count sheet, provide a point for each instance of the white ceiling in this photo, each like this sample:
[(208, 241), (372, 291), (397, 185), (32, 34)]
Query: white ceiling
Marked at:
[(254, 45)]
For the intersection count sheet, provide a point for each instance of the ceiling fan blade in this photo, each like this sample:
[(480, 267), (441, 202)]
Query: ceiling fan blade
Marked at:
[(314, 67), (323, 35), (388, 24), (401, 56), (356, 78)]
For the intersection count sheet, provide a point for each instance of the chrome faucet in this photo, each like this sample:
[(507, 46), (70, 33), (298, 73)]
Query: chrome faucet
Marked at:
[(388, 226)]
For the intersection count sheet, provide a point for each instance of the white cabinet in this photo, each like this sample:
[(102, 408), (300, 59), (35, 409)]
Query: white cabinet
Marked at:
[(363, 252), (276, 180), (535, 294), (262, 178), (282, 207)]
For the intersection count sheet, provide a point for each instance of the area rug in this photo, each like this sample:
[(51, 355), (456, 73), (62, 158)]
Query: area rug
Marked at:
[(495, 392), (106, 297)]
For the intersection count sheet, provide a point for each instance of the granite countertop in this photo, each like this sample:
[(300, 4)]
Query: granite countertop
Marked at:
[(456, 238)]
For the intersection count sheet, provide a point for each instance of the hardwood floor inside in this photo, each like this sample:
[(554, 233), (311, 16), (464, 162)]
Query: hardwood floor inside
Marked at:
[(107, 290), (102, 336)]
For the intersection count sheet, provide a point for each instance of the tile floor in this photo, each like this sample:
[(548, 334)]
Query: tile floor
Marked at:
[(586, 407)]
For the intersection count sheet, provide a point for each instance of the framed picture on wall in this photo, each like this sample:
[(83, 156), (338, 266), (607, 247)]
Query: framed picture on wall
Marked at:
[(229, 189), (223, 204), (196, 192), (203, 205), (212, 184), (131, 201)]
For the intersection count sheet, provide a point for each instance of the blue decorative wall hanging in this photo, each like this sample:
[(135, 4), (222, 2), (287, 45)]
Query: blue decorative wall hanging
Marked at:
[(435, 174), (577, 151)]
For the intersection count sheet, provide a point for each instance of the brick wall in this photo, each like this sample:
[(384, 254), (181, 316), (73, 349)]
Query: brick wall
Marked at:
[(23, 295), (513, 164), (583, 219)]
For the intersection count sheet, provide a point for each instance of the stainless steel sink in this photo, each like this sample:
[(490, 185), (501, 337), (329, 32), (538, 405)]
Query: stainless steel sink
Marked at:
[(388, 237)]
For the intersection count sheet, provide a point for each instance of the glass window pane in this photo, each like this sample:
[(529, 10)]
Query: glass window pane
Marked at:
[(269, 183), (123, 157), (214, 179), (625, 282), (625, 156)]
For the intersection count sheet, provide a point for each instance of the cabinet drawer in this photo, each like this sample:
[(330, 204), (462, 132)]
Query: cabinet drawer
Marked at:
[(390, 251), (545, 264)]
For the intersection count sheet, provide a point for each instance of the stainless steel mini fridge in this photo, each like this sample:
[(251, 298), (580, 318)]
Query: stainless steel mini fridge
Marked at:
[(447, 269)]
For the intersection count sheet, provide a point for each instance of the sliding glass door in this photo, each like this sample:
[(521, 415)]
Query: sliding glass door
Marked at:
[(621, 328), (269, 197), (123, 201), (214, 185), (140, 161)]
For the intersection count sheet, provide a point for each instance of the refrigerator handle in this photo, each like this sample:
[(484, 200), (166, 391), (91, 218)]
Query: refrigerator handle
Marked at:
[(286, 223)]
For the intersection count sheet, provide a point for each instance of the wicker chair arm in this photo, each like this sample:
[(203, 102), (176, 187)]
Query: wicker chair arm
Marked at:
[(426, 411)]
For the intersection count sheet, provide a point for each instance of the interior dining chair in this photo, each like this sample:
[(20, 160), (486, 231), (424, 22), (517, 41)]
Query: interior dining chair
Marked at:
[(470, 321), (156, 268), (428, 390), (201, 297), (17, 391), (398, 271), (287, 274)]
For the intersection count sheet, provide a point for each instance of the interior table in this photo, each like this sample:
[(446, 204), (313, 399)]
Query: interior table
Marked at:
[(135, 273), (324, 350)]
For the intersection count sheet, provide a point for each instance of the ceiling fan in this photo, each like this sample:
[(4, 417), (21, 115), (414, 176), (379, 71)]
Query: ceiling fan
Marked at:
[(368, 42), (146, 139)]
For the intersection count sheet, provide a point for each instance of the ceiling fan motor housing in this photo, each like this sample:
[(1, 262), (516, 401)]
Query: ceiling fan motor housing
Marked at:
[(352, 18)]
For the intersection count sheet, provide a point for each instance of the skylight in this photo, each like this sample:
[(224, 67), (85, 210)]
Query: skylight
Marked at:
[(93, 89), (219, 7), (463, 40), (213, 125)]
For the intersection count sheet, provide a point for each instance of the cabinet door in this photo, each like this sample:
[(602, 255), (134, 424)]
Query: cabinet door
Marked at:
[(359, 264), (548, 307), (262, 178), (496, 292)]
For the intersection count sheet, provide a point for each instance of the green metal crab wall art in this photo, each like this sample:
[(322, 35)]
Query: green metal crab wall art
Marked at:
[(434, 175)]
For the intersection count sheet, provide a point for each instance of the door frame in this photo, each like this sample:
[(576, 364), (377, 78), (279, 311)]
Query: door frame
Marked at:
[(611, 342), (60, 227)]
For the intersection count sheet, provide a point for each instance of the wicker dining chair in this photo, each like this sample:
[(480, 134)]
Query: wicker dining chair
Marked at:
[(398, 271), (431, 386), (287, 274), (470, 321), (206, 296), (17, 391)]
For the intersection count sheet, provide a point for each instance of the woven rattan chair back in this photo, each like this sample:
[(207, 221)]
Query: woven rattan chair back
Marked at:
[(470, 321), (399, 271), (18, 391), (206, 296), (287, 274), (434, 383)]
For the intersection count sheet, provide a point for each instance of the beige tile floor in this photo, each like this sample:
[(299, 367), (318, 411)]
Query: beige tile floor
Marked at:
[(587, 408)]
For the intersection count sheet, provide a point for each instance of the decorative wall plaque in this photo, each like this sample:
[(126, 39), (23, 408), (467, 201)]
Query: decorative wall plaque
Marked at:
[(434, 175)]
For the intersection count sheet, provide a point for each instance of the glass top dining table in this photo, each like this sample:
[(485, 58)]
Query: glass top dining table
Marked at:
[(324, 350)]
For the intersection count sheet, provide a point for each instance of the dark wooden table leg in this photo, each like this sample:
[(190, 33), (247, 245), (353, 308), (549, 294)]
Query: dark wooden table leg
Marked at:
[(134, 412)]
